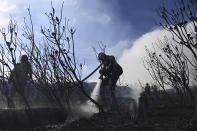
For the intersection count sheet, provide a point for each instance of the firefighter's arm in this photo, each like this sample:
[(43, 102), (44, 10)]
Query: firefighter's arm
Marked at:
[(30, 75), (112, 61), (101, 71), (30, 72), (110, 67), (104, 71), (107, 70)]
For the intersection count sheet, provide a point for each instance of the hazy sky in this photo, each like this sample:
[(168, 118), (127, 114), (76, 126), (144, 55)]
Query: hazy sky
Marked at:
[(117, 23)]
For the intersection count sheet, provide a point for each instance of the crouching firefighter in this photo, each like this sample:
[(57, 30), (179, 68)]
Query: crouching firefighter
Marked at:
[(109, 73)]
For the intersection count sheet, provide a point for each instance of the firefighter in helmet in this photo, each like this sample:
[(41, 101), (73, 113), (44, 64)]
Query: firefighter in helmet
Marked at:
[(111, 71), (21, 73)]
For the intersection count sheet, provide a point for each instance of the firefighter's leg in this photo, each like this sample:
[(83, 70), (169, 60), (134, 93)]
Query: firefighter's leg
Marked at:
[(103, 92), (114, 104)]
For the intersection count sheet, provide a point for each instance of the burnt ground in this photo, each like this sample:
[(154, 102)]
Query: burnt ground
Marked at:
[(37, 119), (163, 115)]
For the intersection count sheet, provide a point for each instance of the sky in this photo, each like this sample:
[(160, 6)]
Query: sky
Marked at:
[(124, 26)]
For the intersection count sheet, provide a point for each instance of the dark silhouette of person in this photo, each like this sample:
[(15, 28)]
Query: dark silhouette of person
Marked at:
[(144, 102), (148, 90), (21, 73), (143, 111), (111, 71)]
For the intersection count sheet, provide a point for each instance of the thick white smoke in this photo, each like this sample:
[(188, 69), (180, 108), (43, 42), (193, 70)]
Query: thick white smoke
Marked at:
[(132, 59)]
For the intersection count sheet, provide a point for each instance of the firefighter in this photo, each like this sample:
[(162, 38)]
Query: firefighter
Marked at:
[(21, 73), (111, 70)]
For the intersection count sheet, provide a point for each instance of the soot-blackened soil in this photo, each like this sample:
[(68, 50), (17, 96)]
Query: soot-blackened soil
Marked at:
[(162, 116), (15, 119)]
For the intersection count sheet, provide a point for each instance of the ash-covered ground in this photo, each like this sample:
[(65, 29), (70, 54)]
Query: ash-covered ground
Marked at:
[(43, 116)]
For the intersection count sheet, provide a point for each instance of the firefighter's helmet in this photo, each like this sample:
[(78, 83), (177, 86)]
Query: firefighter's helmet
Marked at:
[(24, 58), (101, 56)]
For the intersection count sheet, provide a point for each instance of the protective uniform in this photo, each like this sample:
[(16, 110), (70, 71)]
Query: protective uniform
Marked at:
[(112, 71), (21, 73)]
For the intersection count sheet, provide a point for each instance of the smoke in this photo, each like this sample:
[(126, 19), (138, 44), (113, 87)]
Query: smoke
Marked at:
[(132, 59), (87, 109), (136, 90)]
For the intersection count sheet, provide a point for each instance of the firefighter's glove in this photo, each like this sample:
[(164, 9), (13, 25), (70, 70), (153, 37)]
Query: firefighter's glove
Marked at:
[(101, 71)]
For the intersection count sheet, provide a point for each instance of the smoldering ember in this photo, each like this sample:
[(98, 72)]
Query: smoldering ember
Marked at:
[(86, 65)]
